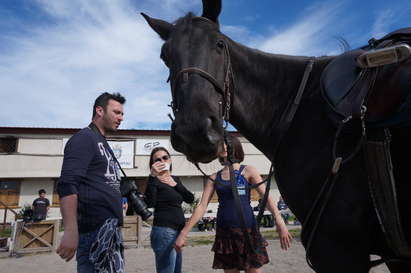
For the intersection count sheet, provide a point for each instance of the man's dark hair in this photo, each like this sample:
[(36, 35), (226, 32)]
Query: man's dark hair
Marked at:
[(42, 191), (103, 99)]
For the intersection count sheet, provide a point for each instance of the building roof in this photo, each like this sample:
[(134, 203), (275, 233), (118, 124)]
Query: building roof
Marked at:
[(71, 131)]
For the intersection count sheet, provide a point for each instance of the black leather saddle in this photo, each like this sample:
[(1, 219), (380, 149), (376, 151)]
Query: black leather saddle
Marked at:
[(383, 90), (380, 94)]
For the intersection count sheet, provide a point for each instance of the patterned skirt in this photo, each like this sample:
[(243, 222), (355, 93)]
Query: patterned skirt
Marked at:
[(231, 250)]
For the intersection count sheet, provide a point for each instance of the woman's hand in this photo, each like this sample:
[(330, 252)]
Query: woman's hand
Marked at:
[(285, 236), (180, 242), (157, 168)]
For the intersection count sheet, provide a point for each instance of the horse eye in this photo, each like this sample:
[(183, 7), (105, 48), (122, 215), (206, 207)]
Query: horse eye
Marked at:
[(220, 44)]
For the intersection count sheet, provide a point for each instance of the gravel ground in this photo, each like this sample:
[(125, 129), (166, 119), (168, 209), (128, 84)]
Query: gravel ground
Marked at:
[(197, 259)]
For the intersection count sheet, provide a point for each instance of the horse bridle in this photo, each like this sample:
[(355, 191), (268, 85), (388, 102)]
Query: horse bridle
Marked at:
[(225, 89), (227, 95)]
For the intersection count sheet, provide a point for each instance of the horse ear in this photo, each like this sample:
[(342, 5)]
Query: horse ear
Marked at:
[(211, 9), (162, 28)]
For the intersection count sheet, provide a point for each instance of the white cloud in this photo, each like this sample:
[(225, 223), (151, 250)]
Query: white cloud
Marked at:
[(306, 36), (170, 10), (238, 33), (53, 75), (382, 24)]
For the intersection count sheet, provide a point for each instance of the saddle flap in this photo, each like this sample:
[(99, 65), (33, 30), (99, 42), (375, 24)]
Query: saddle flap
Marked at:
[(338, 80)]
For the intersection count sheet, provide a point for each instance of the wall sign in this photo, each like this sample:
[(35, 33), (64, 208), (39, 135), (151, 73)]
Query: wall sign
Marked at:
[(144, 146), (124, 152)]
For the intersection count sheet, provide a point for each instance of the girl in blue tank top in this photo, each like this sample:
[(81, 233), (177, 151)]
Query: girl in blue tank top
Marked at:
[(231, 252), (225, 216)]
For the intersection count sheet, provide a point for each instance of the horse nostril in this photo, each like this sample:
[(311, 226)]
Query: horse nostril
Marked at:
[(209, 123), (212, 135), (200, 137), (212, 138)]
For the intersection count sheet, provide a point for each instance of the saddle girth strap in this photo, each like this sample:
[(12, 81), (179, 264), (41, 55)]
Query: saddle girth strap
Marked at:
[(383, 192)]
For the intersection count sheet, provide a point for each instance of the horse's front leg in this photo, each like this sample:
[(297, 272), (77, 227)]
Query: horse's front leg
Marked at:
[(339, 254), (341, 243)]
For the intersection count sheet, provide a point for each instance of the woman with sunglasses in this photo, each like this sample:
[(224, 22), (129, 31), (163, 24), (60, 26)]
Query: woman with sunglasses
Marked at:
[(231, 251), (165, 193)]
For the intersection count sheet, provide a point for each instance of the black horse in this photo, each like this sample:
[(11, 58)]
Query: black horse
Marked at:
[(256, 92)]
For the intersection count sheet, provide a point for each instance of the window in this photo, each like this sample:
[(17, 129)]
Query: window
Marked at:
[(8, 145), (9, 193), (56, 198)]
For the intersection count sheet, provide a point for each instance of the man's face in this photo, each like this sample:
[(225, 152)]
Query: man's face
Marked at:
[(42, 195), (113, 115)]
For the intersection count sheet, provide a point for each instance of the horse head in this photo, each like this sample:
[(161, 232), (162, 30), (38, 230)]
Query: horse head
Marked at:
[(196, 53)]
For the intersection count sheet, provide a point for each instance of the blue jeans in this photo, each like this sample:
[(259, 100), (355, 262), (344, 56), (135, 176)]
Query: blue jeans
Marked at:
[(84, 264), (168, 260)]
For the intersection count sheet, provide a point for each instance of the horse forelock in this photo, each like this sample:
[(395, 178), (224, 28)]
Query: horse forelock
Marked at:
[(185, 23), (185, 20)]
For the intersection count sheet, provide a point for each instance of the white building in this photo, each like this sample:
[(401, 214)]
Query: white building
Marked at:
[(31, 159)]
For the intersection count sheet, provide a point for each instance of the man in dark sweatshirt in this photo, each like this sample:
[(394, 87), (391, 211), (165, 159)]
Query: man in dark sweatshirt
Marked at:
[(41, 206), (89, 190)]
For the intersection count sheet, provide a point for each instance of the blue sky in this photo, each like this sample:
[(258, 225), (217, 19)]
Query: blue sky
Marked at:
[(57, 56)]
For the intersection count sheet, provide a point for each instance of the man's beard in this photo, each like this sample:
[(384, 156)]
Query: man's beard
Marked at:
[(108, 124)]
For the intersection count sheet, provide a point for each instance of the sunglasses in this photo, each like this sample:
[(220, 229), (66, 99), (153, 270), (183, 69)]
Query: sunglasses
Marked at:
[(164, 157)]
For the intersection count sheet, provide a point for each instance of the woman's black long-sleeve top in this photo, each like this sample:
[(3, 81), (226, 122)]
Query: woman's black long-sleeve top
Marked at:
[(166, 201)]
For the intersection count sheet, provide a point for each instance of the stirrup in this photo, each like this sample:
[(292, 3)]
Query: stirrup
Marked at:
[(383, 56)]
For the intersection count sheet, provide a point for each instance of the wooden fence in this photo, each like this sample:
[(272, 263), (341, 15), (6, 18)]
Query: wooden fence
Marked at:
[(36, 237)]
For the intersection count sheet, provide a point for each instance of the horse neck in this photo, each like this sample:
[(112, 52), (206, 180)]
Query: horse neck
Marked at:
[(264, 85)]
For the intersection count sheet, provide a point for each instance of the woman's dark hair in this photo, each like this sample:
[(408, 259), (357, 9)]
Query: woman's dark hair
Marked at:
[(238, 152), (103, 99), (155, 150)]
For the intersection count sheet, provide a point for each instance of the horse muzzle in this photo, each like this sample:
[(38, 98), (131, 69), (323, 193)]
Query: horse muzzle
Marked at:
[(197, 143)]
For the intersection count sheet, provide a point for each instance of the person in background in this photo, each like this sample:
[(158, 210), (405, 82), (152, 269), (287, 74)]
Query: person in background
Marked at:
[(266, 220), (41, 206), (165, 193), (283, 208), (257, 208), (125, 205), (231, 251), (89, 190)]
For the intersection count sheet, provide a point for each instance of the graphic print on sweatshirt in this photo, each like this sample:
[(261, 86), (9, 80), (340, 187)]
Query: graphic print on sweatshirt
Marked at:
[(112, 174)]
